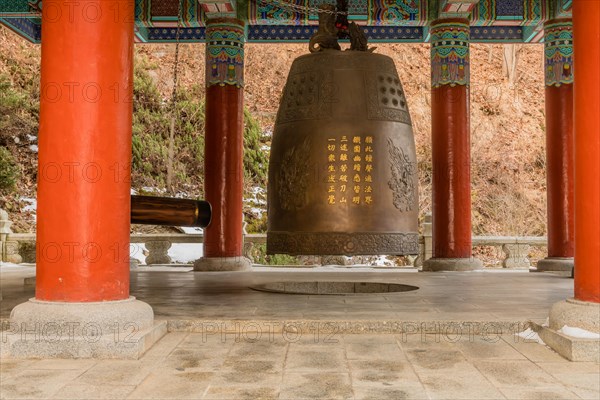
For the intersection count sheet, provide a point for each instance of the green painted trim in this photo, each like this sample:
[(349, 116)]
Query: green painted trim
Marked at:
[(142, 32), (18, 31), (164, 19), (509, 18), (13, 7), (531, 31), (500, 41)]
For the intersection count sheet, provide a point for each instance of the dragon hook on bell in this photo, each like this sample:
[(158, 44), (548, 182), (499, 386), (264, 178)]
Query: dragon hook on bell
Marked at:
[(334, 25)]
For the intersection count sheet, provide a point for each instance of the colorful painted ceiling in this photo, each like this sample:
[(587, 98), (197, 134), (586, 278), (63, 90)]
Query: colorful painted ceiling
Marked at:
[(519, 21)]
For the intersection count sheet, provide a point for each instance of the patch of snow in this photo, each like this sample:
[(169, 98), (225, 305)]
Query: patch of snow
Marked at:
[(257, 211), (383, 261), (257, 196), (151, 189), (268, 132), (530, 335), (578, 333), (33, 148), (190, 229), (32, 138), (16, 139), (133, 191), (31, 206), (136, 250), (10, 265), (265, 147), (185, 252)]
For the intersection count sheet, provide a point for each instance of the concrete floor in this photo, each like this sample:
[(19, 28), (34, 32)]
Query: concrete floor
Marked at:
[(489, 295), (326, 362)]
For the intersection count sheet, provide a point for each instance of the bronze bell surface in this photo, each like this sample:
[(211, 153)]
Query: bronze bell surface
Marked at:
[(343, 172)]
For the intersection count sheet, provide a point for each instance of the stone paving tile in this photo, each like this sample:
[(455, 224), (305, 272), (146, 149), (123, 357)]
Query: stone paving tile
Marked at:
[(247, 378), (585, 393), (81, 365), (241, 366), (209, 339), (569, 367), (78, 392), (203, 359), (438, 360), (316, 359), (321, 385), (476, 347), (574, 381), (242, 393), (166, 385), (370, 338), (10, 367), (117, 372), (369, 350), (322, 339), (164, 346), (532, 350), (36, 384), (541, 393), (413, 391), (515, 373), (382, 372), (425, 342), (458, 384), (263, 349)]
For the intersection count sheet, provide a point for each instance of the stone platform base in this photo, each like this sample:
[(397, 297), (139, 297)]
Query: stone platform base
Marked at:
[(561, 265), (573, 349), (575, 314), (452, 264), (222, 264), (113, 329)]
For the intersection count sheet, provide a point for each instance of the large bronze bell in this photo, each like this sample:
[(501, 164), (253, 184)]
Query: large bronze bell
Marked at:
[(343, 172)]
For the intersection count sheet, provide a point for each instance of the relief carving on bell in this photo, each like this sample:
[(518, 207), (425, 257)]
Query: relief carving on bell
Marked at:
[(343, 172)]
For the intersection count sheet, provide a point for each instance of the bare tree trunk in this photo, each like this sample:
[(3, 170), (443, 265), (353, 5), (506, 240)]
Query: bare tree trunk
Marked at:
[(509, 66)]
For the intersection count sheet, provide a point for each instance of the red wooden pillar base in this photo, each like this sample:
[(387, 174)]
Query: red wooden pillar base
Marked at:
[(223, 155), (583, 310), (451, 193), (559, 145), (82, 306), (586, 39), (84, 164)]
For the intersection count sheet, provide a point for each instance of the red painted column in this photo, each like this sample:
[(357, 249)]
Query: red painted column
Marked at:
[(224, 126), (451, 193), (558, 43), (84, 151), (586, 39)]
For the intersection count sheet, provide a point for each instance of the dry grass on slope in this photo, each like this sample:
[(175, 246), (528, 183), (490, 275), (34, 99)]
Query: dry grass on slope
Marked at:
[(507, 120)]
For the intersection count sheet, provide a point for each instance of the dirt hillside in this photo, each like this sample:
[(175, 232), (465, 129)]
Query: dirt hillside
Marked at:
[(507, 117)]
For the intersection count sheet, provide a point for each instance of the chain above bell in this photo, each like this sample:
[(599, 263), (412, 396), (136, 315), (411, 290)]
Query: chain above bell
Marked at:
[(343, 172)]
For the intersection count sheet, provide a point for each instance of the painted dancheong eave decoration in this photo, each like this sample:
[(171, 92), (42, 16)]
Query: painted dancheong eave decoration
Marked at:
[(517, 21)]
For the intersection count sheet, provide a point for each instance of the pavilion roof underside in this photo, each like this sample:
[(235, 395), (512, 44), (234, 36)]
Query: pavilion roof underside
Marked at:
[(516, 21)]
